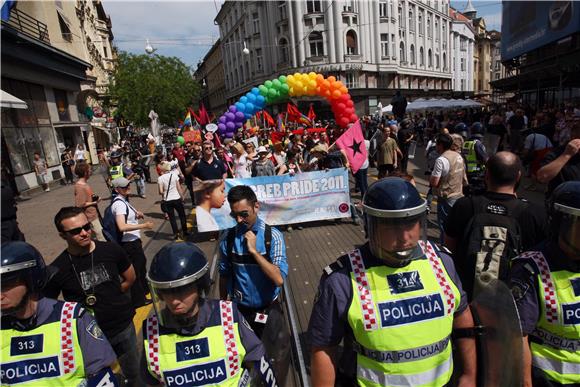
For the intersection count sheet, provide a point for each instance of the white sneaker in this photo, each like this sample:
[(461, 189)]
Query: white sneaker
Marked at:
[(47, 190)]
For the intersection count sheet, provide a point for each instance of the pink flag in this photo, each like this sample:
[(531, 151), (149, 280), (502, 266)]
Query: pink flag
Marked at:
[(352, 142)]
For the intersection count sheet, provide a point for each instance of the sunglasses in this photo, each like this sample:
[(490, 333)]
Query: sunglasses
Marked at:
[(207, 147), (241, 214), (76, 231)]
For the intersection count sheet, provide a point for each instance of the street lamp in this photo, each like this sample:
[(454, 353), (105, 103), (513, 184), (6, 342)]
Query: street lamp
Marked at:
[(245, 51), (149, 48)]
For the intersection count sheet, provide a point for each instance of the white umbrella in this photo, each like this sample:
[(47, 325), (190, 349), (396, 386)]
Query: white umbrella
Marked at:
[(9, 101), (387, 109)]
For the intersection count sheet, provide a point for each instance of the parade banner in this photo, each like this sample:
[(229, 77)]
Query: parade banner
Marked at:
[(192, 136), (286, 199)]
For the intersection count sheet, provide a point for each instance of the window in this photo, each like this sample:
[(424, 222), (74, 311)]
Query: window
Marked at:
[(462, 44), (259, 66), (412, 18), (420, 22), (444, 62), (462, 64), (444, 33), (497, 66), (393, 46), (383, 9), (437, 29), (64, 27), (421, 57), (256, 23), (429, 59), (413, 61), (402, 56), (384, 45), (283, 50), (105, 51), (316, 44), (350, 6), (400, 17), (429, 29), (462, 84), (313, 6), (437, 63), (282, 11), (351, 80), (351, 44), (61, 105)]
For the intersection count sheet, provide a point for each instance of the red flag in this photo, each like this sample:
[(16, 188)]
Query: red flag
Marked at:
[(203, 116), (311, 114), (269, 120), (352, 142), (197, 118), (293, 112), (277, 136)]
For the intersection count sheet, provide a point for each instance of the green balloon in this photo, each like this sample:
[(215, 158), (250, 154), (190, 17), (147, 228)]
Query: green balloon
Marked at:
[(268, 84), (272, 93), (282, 79), (276, 84), (180, 140), (284, 88), (263, 90)]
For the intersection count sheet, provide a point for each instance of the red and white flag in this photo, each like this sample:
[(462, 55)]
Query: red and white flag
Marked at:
[(352, 142)]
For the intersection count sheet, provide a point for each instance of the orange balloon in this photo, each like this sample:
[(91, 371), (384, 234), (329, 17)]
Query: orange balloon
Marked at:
[(344, 90), (327, 94), (319, 77), (336, 94), (331, 79)]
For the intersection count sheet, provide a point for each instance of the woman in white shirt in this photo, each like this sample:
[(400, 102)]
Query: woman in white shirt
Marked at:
[(241, 162), (171, 193), (80, 153), (208, 194)]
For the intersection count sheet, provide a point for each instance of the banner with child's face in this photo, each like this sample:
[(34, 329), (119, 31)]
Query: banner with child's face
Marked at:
[(284, 199)]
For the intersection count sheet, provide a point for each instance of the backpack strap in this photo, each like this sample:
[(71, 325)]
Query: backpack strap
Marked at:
[(268, 238), (67, 347), (230, 239)]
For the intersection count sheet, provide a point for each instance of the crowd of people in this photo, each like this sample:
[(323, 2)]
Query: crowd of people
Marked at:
[(398, 301)]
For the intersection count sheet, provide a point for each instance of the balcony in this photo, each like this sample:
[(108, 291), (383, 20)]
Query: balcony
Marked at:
[(28, 25)]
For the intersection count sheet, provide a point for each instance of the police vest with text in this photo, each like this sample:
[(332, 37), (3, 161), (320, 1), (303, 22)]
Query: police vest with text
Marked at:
[(402, 320), (212, 357), (555, 342), (116, 171), (471, 157), (48, 355)]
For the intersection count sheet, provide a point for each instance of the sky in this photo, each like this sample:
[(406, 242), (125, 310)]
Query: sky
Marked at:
[(185, 29)]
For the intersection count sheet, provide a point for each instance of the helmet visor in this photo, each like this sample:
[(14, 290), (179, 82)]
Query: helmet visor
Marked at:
[(570, 233), (175, 307), (396, 239)]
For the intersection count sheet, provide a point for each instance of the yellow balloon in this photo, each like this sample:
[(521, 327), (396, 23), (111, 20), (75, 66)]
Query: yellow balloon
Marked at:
[(290, 78), (312, 75), (312, 83), (305, 90), (298, 85), (291, 92)]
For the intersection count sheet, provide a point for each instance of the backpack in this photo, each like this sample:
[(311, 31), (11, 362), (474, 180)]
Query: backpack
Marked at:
[(111, 231), (333, 160), (492, 238)]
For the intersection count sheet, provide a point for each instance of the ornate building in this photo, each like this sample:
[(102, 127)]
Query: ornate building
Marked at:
[(210, 75), (463, 44)]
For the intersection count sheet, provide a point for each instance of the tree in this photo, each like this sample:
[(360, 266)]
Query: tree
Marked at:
[(145, 82)]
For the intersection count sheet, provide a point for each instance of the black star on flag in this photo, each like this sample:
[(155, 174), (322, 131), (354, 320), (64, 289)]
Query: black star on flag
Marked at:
[(355, 147)]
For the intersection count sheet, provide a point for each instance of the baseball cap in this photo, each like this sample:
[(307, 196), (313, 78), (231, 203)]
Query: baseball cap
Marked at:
[(120, 182), (262, 149)]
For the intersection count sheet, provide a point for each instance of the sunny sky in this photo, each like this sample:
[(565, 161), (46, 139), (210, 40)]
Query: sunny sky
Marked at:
[(185, 29)]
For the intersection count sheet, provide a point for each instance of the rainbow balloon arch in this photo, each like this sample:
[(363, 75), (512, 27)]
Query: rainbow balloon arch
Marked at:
[(286, 86)]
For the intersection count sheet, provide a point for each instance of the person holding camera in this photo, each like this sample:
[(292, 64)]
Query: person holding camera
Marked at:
[(86, 199)]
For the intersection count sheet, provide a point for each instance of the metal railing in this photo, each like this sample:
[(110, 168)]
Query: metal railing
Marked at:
[(28, 25)]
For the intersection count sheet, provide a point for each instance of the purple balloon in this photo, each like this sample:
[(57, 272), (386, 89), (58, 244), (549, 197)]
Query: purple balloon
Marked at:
[(229, 135), (240, 116), (239, 124), (230, 117), (222, 120), (222, 127), (230, 125), (233, 109)]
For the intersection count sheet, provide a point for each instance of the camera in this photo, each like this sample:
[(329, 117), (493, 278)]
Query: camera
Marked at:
[(95, 197)]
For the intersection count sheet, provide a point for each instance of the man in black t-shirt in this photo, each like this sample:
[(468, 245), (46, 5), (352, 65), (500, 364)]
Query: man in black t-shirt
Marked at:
[(563, 163), (502, 175), (209, 167), (98, 275)]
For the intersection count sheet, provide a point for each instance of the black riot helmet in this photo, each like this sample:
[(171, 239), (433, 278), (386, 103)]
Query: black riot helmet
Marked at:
[(564, 213), (177, 270), (21, 261), (395, 217)]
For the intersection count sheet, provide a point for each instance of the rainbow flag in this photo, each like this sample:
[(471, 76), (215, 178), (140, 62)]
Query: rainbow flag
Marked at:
[(281, 126), (187, 121)]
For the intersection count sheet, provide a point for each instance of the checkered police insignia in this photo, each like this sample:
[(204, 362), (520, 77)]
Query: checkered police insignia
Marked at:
[(365, 296), (153, 345), (232, 354), (66, 337), (439, 271), (550, 299)]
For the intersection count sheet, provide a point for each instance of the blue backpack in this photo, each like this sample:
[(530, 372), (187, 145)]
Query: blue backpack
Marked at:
[(111, 231)]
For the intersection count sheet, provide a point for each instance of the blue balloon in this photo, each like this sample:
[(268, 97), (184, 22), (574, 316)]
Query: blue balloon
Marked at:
[(260, 101), (233, 109), (255, 91), (240, 106), (222, 119), (230, 117), (230, 125), (252, 98), (240, 116), (248, 116), (250, 108), (244, 99)]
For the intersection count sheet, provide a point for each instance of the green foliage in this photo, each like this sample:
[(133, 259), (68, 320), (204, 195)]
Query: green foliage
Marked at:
[(145, 82)]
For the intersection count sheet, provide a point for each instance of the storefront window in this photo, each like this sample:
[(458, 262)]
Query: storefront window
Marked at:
[(16, 145), (49, 145)]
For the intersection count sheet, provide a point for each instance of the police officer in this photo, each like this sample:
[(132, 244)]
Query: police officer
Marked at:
[(474, 151), (184, 340), (118, 169), (546, 286), (395, 301), (46, 342)]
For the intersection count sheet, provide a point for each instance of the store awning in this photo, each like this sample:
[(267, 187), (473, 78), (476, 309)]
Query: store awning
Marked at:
[(9, 101)]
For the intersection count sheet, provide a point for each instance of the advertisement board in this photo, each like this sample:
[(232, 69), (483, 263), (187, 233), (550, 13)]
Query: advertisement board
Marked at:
[(527, 25)]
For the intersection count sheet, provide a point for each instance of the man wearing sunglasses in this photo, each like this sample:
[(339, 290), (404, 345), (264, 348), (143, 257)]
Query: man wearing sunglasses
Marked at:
[(253, 263), (209, 167), (97, 275)]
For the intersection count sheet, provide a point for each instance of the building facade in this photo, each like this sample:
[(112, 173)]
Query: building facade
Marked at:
[(46, 62), (463, 44), (373, 47), (210, 75)]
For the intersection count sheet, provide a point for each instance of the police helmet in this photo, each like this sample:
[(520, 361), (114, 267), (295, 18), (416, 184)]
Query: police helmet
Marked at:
[(564, 213), (179, 268), (476, 129), (21, 260), (116, 154), (393, 206)]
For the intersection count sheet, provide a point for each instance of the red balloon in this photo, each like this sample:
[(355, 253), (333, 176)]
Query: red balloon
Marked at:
[(345, 97), (340, 107), (343, 122), (349, 103), (353, 118)]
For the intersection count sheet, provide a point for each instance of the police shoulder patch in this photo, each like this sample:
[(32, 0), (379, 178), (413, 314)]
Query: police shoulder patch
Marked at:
[(94, 330), (519, 289)]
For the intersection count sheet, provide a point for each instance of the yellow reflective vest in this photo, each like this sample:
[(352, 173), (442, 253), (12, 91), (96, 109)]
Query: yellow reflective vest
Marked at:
[(48, 355), (555, 342), (402, 320), (212, 357), (116, 171)]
